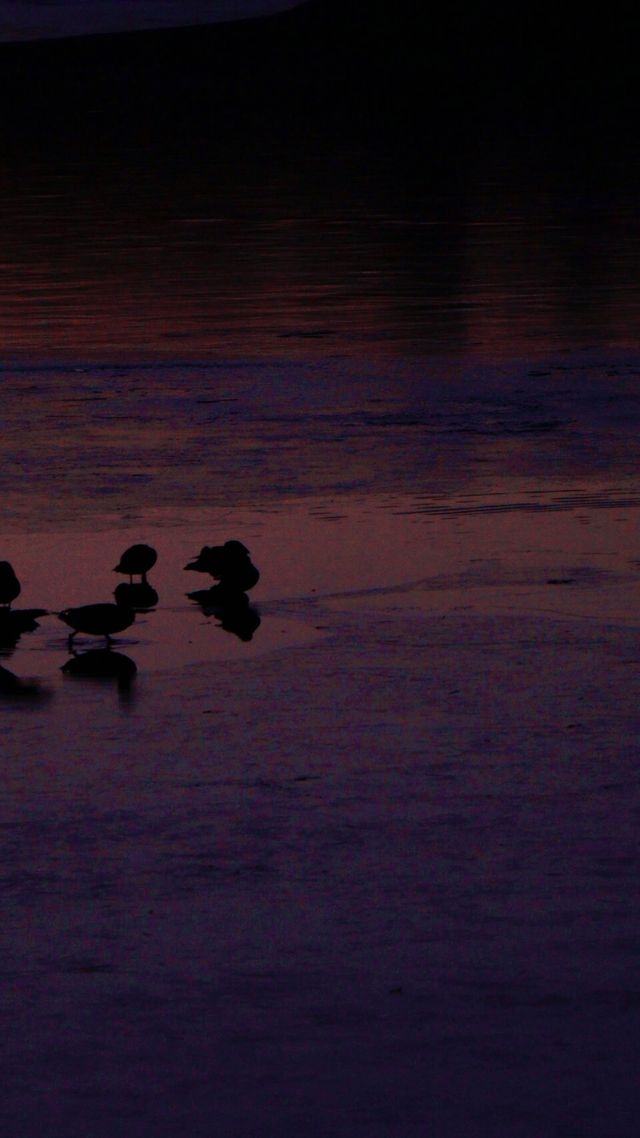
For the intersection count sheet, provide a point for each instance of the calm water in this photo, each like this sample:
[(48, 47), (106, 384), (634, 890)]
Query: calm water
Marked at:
[(129, 255), (375, 869), (201, 344)]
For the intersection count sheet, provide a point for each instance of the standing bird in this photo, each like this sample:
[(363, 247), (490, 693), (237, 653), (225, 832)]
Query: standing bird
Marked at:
[(136, 561), (9, 584), (98, 620), (229, 564)]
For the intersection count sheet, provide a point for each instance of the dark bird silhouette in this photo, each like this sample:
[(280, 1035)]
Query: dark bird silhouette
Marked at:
[(98, 620), (9, 584), (230, 564), (136, 561)]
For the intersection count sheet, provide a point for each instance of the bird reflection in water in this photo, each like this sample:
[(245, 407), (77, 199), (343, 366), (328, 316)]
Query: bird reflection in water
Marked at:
[(232, 610), (103, 664), (13, 622), (231, 566), (138, 595), (12, 688)]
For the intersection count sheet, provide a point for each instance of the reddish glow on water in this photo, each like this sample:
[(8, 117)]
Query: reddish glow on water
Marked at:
[(373, 861), (552, 553), (112, 260)]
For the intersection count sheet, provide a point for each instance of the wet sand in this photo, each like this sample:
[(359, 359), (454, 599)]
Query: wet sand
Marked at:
[(373, 872)]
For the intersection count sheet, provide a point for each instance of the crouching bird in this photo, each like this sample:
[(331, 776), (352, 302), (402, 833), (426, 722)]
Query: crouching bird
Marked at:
[(230, 564), (98, 620)]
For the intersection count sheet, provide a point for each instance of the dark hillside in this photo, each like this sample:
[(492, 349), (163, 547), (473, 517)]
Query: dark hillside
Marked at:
[(337, 66)]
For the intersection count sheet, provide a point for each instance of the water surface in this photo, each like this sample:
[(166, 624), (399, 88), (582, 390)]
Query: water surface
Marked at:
[(375, 868), (128, 253)]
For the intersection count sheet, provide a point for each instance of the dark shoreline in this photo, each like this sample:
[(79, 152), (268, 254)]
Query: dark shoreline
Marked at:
[(327, 71)]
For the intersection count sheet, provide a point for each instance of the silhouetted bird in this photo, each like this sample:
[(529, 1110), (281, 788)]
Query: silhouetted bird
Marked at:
[(136, 561), (98, 620), (9, 584), (229, 564)]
